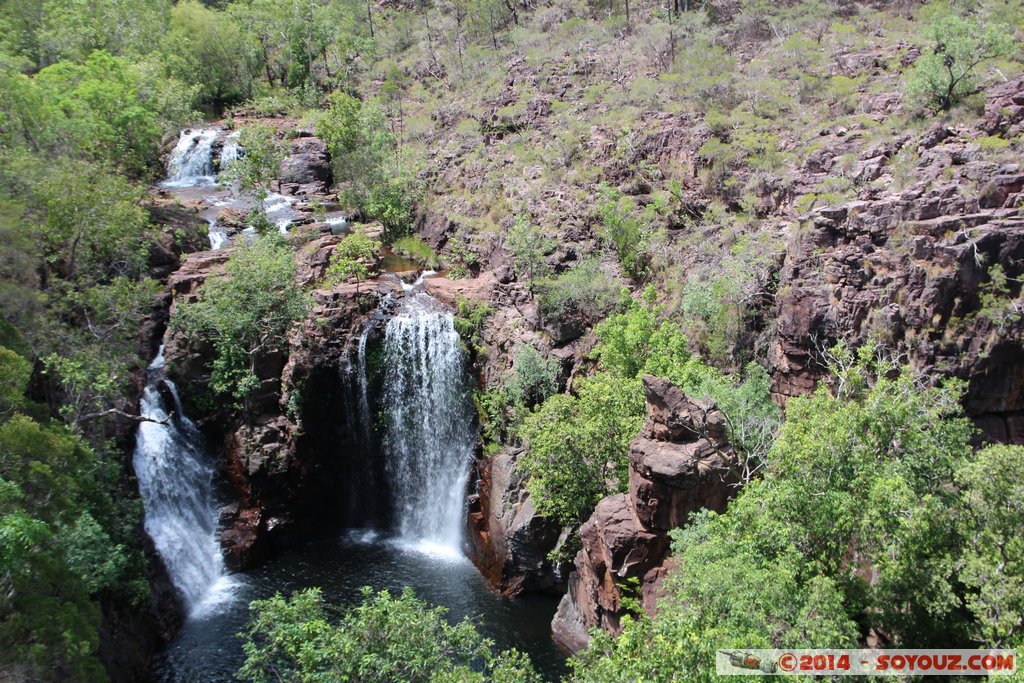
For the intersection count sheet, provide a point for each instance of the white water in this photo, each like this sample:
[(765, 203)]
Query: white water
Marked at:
[(218, 238), (191, 161), (176, 484), (279, 211), (231, 151), (430, 431)]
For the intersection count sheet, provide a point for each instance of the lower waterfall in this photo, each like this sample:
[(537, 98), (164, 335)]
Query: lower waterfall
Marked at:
[(175, 477), (429, 421)]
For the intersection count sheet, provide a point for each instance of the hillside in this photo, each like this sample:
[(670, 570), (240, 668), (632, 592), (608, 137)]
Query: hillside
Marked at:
[(704, 321)]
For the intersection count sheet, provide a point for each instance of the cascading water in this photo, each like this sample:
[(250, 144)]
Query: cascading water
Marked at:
[(231, 151), (176, 484), (191, 161), (430, 431)]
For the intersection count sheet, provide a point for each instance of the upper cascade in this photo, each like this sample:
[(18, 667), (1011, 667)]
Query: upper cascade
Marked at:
[(191, 161)]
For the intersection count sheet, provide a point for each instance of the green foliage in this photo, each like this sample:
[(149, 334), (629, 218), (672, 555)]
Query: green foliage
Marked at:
[(636, 343), (534, 378), (384, 638), (85, 220), (576, 446), (258, 167), (364, 153), (105, 109), (211, 49), (997, 301), (414, 248), (721, 299), (991, 515), (350, 259), (627, 233), (246, 313), (527, 247), (393, 203), (944, 76), (469, 321), (14, 375), (59, 531), (857, 479), (583, 293)]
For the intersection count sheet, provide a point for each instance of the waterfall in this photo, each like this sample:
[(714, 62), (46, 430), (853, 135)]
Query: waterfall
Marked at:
[(218, 238), (191, 161), (176, 484), (430, 424), (231, 151)]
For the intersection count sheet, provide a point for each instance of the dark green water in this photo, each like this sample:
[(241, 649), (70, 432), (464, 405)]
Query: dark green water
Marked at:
[(208, 650)]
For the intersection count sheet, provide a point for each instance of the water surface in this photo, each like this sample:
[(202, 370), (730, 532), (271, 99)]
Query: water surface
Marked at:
[(208, 650)]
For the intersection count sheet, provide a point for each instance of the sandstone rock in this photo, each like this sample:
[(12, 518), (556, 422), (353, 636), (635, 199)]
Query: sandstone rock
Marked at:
[(510, 541), (680, 463), (308, 166)]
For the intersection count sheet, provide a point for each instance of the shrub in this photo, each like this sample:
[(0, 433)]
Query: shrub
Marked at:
[(350, 259), (527, 245), (534, 378), (943, 77), (414, 248), (584, 293), (628, 234)]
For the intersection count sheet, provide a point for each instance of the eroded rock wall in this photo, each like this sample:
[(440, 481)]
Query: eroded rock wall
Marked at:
[(679, 463)]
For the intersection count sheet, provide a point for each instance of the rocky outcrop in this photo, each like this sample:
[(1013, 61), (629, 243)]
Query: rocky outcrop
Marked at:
[(307, 168), (918, 268), (679, 463), (510, 542), (280, 487)]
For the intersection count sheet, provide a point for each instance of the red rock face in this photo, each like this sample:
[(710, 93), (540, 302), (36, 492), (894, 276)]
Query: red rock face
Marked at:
[(910, 267), (509, 541), (679, 463)]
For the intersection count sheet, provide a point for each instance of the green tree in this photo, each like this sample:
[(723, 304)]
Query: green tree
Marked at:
[(208, 47), (577, 446), (384, 638), (534, 378), (948, 73), (247, 313), (350, 259), (60, 531), (84, 219), (991, 515), (15, 371), (627, 233), (255, 170), (527, 246)]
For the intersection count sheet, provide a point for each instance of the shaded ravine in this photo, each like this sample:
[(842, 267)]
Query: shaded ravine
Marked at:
[(409, 405)]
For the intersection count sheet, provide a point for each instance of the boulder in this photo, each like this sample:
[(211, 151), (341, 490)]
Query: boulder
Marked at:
[(308, 166), (510, 542)]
